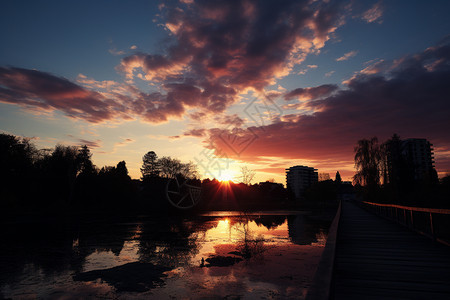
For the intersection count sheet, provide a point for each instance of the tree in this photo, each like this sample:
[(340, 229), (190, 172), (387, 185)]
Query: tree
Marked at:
[(16, 156), (151, 167), (84, 156), (189, 170), (247, 175), (338, 178), (170, 167), (324, 176), (17, 170), (368, 160), (121, 169), (62, 168)]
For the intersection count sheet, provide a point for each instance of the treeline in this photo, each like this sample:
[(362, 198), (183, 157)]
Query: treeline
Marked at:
[(59, 179), (65, 179), (327, 193), (215, 195), (218, 195), (387, 173), (166, 167)]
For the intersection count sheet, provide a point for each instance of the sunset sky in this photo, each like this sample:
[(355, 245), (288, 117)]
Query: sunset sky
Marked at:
[(225, 84)]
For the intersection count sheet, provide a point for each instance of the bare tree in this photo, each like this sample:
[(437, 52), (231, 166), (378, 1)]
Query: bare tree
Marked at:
[(189, 170), (324, 176), (247, 175)]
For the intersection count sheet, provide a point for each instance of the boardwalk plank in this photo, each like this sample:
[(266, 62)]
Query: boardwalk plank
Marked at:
[(377, 259)]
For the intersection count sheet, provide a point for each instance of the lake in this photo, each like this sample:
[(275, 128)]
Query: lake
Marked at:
[(216, 255)]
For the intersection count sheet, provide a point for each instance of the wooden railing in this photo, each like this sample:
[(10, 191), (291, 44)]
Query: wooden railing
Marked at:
[(431, 222)]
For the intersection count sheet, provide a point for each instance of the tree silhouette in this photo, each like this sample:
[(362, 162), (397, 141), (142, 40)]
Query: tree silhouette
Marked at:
[(17, 157), (121, 169), (189, 170), (338, 178), (247, 175), (151, 166), (170, 167), (368, 158), (63, 167), (85, 164)]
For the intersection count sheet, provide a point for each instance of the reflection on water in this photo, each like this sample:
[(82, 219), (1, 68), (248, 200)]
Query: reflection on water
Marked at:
[(216, 255)]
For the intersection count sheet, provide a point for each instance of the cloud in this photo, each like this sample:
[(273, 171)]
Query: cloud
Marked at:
[(373, 14), (217, 50), (328, 74), (46, 92), (91, 144), (303, 71), (229, 120), (134, 47), (116, 52), (155, 67), (409, 99), (124, 142), (200, 132), (311, 93), (115, 102), (347, 55), (374, 66), (221, 48)]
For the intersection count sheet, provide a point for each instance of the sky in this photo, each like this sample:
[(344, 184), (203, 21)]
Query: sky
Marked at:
[(226, 84)]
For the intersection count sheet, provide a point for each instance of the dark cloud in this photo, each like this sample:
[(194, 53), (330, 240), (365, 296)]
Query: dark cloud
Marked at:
[(217, 50), (31, 88), (311, 93), (44, 91), (412, 100), (221, 48)]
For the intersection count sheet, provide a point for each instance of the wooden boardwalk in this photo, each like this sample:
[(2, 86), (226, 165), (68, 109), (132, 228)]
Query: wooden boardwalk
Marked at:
[(378, 259)]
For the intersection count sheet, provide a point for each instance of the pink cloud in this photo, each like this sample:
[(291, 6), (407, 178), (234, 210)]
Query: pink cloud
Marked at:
[(410, 100), (35, 89), (347, 55), (91, 144), (373, 14), (223, 48), (217, 51)]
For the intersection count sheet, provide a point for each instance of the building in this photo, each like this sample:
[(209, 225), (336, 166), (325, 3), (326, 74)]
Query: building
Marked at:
[(299, 178), (419, 155), (408, 161)]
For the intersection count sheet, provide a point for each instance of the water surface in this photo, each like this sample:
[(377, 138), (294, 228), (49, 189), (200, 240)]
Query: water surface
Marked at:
[(219, 254)]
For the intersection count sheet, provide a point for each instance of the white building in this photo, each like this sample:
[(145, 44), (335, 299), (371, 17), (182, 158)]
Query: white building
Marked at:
[(299, 178)]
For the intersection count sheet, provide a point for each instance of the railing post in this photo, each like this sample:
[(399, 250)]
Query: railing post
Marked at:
[(431, 226), (412, 219)]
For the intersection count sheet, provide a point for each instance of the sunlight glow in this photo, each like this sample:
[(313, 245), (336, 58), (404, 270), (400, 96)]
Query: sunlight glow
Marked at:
[(226, 175)]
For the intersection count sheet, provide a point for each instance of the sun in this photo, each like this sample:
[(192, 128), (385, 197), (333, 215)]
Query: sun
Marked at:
[(226, 175)]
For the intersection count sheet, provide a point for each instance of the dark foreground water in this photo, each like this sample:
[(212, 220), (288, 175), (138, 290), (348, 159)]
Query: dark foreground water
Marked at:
[(219, 255)]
